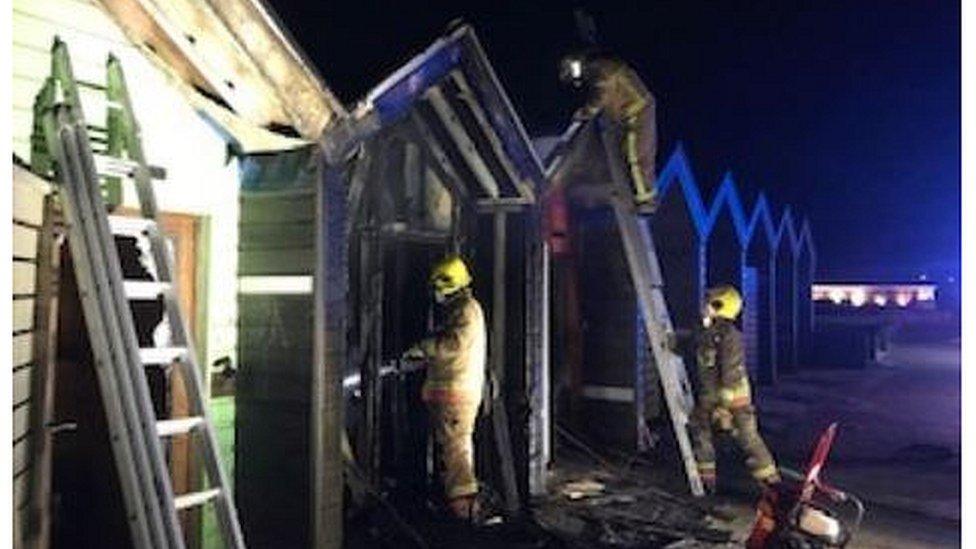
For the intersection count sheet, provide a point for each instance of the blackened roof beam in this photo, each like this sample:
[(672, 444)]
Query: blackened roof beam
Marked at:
[(464, 93), (463, 142), (441, 162), (494, 124)]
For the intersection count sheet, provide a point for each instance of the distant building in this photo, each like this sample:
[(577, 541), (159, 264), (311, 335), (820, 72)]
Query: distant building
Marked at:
[(855, 321), (916, 295)]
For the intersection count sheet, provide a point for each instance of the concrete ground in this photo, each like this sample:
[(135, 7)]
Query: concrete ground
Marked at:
[(898, 449), (898, 444)]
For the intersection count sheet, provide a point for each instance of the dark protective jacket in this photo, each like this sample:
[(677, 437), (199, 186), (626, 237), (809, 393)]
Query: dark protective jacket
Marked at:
[(618, 90), (722, 372), (725, 387), (457, 352)]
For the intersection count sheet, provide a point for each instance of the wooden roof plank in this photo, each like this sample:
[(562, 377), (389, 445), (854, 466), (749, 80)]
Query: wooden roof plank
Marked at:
[(303, 91), (233, 50)]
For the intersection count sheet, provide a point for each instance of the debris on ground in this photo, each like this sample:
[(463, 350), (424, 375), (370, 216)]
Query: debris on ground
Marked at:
[(588, 505), (625, 513), (583, 488), (616, 506)]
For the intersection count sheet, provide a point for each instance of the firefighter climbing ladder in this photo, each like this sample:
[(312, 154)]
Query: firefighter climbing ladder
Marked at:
[(645, 271), (62, 142)]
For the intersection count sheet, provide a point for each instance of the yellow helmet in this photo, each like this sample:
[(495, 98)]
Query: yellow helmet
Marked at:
[(724, 302), (449, 275)]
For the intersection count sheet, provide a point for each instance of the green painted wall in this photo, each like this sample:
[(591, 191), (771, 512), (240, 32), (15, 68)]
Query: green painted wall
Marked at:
[(272, 469), (222, 411)]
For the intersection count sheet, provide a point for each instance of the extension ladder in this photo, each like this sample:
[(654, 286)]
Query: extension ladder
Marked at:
[(645, 271), (136, 436)]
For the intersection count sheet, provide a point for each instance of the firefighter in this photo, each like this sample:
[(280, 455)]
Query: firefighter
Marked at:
[(455, 355), (724, 401), (617, 91)]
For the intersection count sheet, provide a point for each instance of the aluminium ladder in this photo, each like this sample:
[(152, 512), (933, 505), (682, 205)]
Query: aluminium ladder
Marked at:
[(136, 435), (645, 271)]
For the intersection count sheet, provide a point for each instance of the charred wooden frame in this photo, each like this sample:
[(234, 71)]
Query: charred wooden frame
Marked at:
[(442, 116)]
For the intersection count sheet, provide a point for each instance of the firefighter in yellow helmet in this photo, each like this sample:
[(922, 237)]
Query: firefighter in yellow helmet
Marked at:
[(617, 91), (455, 355), (724, 400)]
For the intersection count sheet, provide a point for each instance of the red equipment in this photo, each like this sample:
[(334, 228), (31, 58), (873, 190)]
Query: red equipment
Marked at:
[(801, 511)]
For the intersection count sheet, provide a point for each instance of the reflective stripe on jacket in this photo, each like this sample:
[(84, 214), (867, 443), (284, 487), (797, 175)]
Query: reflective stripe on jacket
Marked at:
[(456, 353)]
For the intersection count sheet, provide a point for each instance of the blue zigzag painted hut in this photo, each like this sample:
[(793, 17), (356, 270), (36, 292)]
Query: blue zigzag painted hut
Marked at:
[(758, 264)]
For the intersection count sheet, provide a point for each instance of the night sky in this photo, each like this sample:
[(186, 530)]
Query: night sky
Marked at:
[(847, 110)]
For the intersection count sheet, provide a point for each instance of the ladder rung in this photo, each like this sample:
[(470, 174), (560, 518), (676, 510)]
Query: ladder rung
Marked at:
[(109, 165), (179, 426), (97, 102), (118, 167), (130, 226), (161, 355), (91, 85), (194, 499), (93, 128), (145, 289)]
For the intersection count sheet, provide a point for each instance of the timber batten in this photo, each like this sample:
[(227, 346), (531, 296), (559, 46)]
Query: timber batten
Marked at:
[(33, 358)]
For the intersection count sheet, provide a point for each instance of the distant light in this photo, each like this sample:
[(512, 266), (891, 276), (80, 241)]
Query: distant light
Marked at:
[(951, 280), (877, 295), (923, 276), (837, 296), (576, 68), (925, 294)]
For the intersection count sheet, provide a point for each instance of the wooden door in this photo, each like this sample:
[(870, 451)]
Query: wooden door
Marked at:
[(182, 230)]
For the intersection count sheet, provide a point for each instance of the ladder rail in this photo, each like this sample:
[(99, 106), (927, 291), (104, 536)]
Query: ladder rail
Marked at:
[(144, 526), (667, 363), (646, 276), (226, 510), (119, 93), (162, 256), (663, 318), (105, 255), (135, 371)]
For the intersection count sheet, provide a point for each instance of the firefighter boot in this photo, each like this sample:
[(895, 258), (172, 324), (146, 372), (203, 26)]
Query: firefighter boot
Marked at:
[(759, 459)]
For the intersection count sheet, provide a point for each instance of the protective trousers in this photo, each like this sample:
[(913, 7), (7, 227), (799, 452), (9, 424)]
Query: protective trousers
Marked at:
[(453, 427), (745, 431), (639, 147)]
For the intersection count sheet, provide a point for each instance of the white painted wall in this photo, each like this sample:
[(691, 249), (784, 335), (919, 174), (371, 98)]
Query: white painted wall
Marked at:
[(199, 181)]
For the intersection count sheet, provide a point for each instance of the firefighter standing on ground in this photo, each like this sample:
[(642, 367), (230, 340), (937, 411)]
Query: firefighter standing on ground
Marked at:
[(455, 355), (617, 91), (725, 402)]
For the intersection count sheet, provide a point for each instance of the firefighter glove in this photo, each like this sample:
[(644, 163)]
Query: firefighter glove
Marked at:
[(722, 419), (414, 353)]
